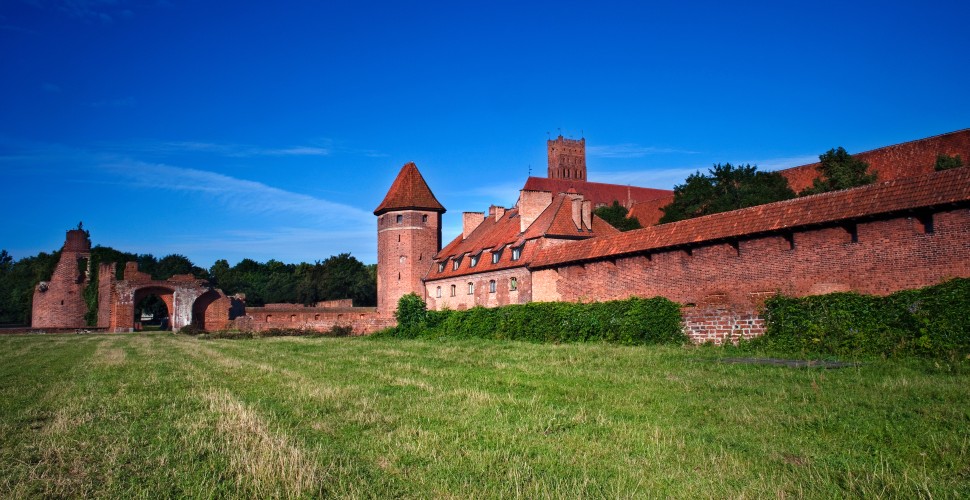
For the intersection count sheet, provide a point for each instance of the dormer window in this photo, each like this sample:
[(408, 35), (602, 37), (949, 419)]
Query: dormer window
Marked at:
[(455, 264), (517, 253), (441, 267), (496, 256), (474, 261)]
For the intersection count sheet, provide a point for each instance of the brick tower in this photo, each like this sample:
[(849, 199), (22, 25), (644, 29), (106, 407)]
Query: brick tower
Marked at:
[(59, 303), (567, 159), (408, 236)]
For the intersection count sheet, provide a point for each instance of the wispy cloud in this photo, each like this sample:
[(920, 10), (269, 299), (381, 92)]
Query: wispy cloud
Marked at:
[(244, 196), (629, 150), (224, 149)]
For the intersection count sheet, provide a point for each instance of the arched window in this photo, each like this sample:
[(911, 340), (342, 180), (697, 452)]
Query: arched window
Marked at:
[(437, 292)]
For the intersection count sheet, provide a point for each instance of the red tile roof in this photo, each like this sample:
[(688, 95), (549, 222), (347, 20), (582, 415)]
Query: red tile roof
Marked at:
[(597, 192), (409, 192), (895, 196), (648, 212), (892, 162), (554, 222)]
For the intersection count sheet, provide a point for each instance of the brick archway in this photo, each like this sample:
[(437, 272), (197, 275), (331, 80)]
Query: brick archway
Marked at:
[(117, 298), (164, 293)]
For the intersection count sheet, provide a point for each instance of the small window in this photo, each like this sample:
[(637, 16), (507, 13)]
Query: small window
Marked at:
[(437, 292), (491, 286), (513, 284), (516, 253), (474, 261), (400, 219), (471, 288), (424, 219), (441, 267), (455, 264), (453, 291), (496, 256)]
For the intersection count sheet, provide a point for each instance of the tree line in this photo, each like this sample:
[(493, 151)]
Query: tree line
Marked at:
[(338, 277)]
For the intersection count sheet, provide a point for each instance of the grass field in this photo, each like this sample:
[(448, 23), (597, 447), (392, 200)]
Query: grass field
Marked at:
[(160, 415)]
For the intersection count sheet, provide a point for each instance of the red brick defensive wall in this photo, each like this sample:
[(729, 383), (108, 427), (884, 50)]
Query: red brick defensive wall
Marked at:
[(901, 234)]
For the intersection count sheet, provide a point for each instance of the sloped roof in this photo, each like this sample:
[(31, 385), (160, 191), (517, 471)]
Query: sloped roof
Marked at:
[(409, 192), (896, 196), (499, 235), (648, 212), (596, 192), (892, 162)]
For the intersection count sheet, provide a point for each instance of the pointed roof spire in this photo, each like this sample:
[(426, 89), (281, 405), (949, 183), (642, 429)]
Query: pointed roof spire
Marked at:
[(409, 192)]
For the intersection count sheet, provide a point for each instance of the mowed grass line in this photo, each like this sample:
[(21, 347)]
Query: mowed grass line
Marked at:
[(164, 415)]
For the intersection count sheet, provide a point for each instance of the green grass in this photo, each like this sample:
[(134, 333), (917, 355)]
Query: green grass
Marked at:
[(161, 415)]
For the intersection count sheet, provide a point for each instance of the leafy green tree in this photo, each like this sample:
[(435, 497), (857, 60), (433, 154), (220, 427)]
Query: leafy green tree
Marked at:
[(839, 170), (410, 313), (345, 277), (616, 216), (946, 162), (724, 188)]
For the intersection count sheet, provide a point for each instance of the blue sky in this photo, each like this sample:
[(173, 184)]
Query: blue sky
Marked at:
[(221, 130)]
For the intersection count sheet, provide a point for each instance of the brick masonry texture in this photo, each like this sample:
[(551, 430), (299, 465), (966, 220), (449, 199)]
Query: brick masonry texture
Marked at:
[(59, 303), (889, 254)]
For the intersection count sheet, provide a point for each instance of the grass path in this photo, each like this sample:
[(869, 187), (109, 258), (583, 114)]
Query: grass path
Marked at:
[(159, 415)]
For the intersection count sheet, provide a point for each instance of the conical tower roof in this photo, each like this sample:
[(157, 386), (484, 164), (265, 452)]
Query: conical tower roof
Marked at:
[(409, 192)]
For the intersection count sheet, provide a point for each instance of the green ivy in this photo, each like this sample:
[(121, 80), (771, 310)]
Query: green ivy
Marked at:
[(632, 321), (930, 322)]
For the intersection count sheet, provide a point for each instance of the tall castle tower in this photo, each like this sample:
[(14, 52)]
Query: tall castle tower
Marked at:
[(408, 236), (567, 159), (59, 303)]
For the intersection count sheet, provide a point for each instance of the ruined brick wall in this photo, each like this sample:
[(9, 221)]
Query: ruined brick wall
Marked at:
[(362, 320), (873, 257), (59, 302), (406, 242), (892, 162), (106, 280), (482, 294), (567, 158)]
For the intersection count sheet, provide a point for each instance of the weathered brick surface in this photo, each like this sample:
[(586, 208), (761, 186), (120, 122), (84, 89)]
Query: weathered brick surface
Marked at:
[(890, 254), (59, 303), (482, 294), (567, 158), (407, 241), (362, 320)]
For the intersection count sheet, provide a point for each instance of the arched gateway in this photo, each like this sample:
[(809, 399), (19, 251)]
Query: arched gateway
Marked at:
[(190, 301)]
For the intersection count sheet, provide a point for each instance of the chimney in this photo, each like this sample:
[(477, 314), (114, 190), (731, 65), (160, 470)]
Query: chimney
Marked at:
[(577, 205), (588, 214), (470, 221), (496, 211), (531, 204)]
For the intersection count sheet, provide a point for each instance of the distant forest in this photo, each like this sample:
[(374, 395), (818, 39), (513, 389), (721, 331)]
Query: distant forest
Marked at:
[(338, 277)]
